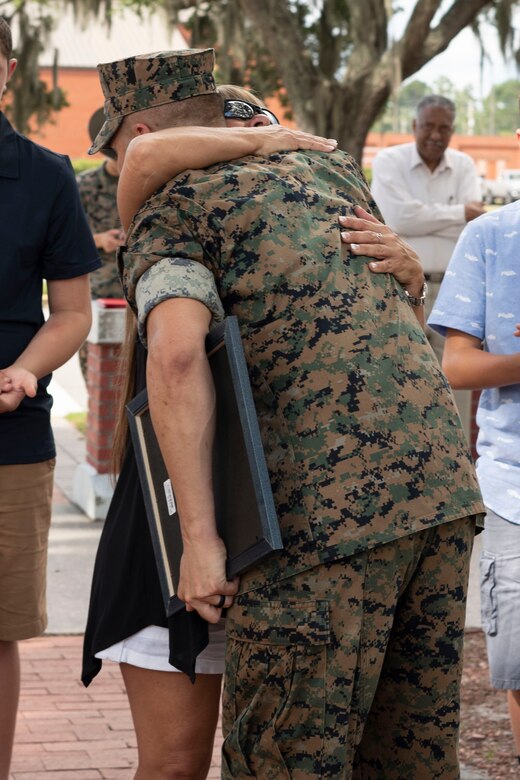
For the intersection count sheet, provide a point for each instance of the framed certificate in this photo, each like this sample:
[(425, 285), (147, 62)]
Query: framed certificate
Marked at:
[(244, 506)]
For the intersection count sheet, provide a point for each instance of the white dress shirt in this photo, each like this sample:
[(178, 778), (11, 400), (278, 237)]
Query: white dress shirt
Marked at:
[(426, 208)]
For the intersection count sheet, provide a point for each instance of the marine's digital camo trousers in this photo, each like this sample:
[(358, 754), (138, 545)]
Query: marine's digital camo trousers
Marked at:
[(310, 692)]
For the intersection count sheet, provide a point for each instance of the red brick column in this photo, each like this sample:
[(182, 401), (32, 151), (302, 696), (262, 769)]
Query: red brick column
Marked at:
[(93, 486), (102, 383)]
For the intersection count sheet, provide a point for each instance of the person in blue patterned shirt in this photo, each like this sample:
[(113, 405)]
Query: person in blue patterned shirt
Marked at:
[(477, 311)]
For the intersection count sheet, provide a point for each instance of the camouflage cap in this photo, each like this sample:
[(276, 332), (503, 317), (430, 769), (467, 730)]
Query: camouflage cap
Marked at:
[(149, 80)]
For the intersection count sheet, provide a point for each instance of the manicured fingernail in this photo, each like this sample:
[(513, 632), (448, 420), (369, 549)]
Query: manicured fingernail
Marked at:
[(355, 247), (373, 266), (345, 235)]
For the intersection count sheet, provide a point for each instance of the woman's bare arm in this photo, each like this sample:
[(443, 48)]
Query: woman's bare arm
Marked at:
[(154, 158)]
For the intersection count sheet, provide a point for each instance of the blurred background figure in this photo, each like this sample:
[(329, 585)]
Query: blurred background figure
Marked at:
[(427, 193), (98, 189)]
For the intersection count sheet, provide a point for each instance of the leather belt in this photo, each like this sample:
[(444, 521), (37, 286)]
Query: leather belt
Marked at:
[(436, 278)]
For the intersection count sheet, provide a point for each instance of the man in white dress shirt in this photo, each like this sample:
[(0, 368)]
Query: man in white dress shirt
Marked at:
[(427, 193)]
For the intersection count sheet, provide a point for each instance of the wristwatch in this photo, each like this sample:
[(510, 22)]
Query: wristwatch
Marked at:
[(413, 301)]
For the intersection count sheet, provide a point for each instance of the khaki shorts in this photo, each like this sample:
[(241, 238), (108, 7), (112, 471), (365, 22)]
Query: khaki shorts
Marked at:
[(25, 516)]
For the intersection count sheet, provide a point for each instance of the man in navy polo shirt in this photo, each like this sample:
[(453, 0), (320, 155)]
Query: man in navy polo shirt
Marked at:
[(43, 235)]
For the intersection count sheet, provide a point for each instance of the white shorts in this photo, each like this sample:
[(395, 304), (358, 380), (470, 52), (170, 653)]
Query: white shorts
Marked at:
[(150, 648)]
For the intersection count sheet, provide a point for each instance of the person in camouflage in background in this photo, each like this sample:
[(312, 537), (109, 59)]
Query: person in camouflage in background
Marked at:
[(344, 650), (98, 192)]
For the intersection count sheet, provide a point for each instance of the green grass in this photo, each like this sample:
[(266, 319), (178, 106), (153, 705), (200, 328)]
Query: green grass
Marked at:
[(81, 164), (79, 420)]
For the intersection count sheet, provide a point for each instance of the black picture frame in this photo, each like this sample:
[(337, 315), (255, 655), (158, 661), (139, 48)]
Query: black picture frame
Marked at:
[(244, 506)]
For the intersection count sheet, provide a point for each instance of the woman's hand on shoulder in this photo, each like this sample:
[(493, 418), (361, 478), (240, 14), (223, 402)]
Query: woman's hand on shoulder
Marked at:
[(365, 235), (277, 138)]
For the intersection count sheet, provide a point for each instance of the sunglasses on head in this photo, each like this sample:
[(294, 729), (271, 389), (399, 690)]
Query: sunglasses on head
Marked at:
[(241, 109)]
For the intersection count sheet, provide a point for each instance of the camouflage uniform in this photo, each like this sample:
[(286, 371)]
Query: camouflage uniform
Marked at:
[(98, 190), (317, 688), (372, 480)]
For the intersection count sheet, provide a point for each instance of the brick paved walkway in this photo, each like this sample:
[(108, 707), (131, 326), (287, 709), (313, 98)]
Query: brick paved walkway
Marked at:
[(66, 731)]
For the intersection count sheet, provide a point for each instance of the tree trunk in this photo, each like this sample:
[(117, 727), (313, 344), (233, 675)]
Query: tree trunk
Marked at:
[(346, 106)]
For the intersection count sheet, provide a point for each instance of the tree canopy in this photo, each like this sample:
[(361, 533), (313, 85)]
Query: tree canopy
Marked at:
[(333, 61)]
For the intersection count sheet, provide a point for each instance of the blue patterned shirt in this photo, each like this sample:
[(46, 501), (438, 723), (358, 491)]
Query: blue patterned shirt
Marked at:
[(480, 295)]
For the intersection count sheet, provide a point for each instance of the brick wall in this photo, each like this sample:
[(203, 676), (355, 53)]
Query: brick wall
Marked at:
[(68, 131), (103, 379), (103, 390)]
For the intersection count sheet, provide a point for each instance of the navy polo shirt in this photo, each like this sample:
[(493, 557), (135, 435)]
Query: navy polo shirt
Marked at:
[(43, 235)]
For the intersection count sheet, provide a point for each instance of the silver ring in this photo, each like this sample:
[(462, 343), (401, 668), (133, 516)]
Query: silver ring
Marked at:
[(379, 236), (221, 602)]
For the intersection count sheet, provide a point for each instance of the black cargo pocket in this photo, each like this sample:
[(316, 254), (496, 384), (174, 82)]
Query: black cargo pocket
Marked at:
[(488, 605), (275, 691)]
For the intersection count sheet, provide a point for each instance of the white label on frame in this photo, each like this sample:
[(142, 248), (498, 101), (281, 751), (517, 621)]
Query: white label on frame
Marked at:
[(170, 500)]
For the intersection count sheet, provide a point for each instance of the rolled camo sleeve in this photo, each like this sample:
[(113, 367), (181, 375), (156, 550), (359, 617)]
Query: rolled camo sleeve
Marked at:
[(173, 277)]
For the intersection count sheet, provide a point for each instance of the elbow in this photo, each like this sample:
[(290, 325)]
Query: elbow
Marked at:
[(174, 367), (80, 322), (87, 321), (452, 372), (140, 152), (456, 383)]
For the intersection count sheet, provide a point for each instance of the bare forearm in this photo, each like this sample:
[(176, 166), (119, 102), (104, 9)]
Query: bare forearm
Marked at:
[(475, 369), (415, 288), (56, 341), (154, 158), (419, 313), (182, 405)]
